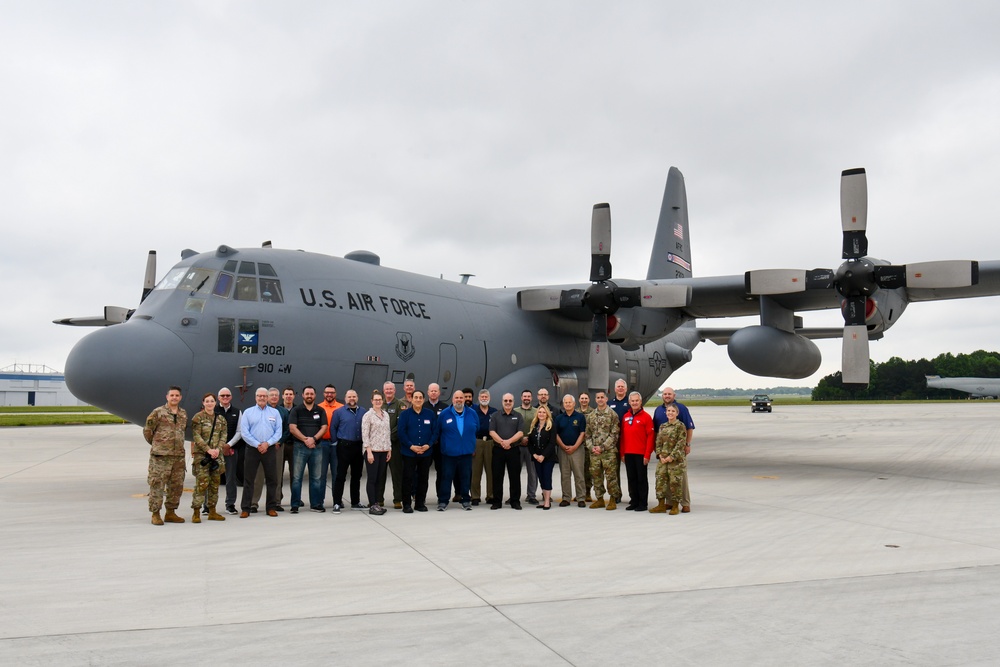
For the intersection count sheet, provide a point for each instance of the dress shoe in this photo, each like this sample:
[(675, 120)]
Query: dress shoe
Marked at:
[(171, 517), (253, 510), (475, 502), (582, 503), (407, 509), (515, 507), (564, 503), (532, 501), (279, 508), (540, 507), (686, 509), (294, 510), (244, 515), (157, 520), (495, 507), (421, 508), (630, 508), (272, 512)]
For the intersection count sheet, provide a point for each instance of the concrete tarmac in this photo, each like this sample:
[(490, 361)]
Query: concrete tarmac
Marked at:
[(820, 535)]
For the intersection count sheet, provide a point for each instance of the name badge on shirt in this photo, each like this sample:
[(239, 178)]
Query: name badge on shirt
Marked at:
[(449, 420), (628, 419), (427, 421), (315, 416)]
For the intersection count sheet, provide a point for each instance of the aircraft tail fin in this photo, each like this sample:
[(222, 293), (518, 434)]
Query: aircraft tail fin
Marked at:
[(671, 254)]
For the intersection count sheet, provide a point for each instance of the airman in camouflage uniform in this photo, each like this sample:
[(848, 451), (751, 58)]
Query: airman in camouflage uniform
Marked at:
[(601, 441), (208, 436), (164, 432), (671, 440)]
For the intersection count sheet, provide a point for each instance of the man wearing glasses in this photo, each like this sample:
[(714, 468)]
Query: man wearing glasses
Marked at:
[(506, 429)]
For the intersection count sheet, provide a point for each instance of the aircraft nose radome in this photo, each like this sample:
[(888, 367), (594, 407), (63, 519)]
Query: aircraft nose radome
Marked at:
[(127, 368)]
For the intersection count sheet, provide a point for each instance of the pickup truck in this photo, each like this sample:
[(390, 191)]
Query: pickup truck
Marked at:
[(760, 403)]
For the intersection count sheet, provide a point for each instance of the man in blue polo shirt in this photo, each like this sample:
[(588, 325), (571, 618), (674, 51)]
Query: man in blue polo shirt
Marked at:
[(457, 435), (571, 428), (260, 428)]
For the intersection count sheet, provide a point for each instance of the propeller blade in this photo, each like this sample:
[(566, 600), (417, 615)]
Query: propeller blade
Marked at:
[(939, 275), (150, 280), (787, 281), (539, 299), (854, 212), (653, 296), (598, 365), (549, 299), (600, 243), (854, 361)]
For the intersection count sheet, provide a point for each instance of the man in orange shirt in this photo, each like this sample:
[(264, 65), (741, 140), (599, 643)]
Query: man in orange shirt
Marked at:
[(327, 443)]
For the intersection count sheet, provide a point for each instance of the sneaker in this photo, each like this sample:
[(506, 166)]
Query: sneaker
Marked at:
[(359, 506), (467, 506), (442, 507), (204, 510), (407, 509), (532, 501), (336, 509), (376, 509), (279, 508), (294, 510), (317, 508), (231, 509), (253, 510)]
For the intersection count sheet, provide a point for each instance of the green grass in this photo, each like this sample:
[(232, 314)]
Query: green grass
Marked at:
[(48, 408), (58, 419)]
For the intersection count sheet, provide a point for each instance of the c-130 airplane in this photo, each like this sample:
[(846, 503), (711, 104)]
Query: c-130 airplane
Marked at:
[(262, 317)]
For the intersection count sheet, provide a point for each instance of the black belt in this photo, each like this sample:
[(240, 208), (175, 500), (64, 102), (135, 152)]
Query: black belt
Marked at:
[(349, 442)]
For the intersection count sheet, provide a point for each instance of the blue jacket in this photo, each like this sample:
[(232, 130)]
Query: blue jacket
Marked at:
[(683, 416), (346, 425), (453, 443), (417, 429)]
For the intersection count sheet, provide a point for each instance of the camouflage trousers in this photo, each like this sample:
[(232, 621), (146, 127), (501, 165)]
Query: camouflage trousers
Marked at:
[(205, 483), (166, 474), (670, 481), (605, 466)]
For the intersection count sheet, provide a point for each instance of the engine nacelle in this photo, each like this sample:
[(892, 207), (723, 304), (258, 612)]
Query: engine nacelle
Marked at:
[(770, 352), (633, 327), (882, 310)]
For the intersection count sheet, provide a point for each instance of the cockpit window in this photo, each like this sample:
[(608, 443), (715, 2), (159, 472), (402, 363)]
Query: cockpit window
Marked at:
[(247, 269), (223, 286), (270, 290), (230, 266), (246, 288), (266, 270), (198, 281), (172, 279)]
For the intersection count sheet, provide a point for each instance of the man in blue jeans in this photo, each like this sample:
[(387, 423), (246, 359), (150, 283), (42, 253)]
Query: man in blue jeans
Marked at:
[(307, 424)]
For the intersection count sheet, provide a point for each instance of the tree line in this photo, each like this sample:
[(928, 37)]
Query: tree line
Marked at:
[(900, 379)]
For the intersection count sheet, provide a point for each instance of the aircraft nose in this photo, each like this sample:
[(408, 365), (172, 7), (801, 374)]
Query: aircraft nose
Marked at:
[(127, 368)]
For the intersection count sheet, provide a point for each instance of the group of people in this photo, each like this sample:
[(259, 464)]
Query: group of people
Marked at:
[(399, 439)]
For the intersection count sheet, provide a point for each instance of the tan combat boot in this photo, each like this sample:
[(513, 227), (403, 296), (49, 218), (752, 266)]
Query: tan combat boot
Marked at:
[(197, 516), (215, 516), (612, 505), (660, 509), (675, 508), (157, 521), (598, 504), (171, 517)]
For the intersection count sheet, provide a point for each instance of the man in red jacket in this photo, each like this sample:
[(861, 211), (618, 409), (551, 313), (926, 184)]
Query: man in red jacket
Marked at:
[(636, 447)]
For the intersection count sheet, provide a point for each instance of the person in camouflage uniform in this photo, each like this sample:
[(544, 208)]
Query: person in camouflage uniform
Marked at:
[(208, 435), (164, 432), (601, 441), (672, 462)]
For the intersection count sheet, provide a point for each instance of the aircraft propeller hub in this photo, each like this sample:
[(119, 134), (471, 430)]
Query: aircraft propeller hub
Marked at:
[(856, 277), (601, 299)]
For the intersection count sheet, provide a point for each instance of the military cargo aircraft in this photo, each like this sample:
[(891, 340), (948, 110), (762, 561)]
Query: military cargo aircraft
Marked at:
[(261, 317), (976, 387)]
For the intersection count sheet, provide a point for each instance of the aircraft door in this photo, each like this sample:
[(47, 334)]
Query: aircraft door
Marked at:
[(447, 367), (367, 378), (632, 370)]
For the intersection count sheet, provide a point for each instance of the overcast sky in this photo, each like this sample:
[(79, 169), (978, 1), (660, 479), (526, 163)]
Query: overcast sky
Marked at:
[(453, 137)]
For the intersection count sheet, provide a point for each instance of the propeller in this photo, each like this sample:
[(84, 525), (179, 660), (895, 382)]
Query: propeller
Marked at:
[(603, 297), (859, 277)]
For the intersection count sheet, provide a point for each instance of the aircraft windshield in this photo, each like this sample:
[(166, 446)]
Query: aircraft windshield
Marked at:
[(200, 282)]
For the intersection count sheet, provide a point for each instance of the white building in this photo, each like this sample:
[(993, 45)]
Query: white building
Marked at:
[(33, 384)]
